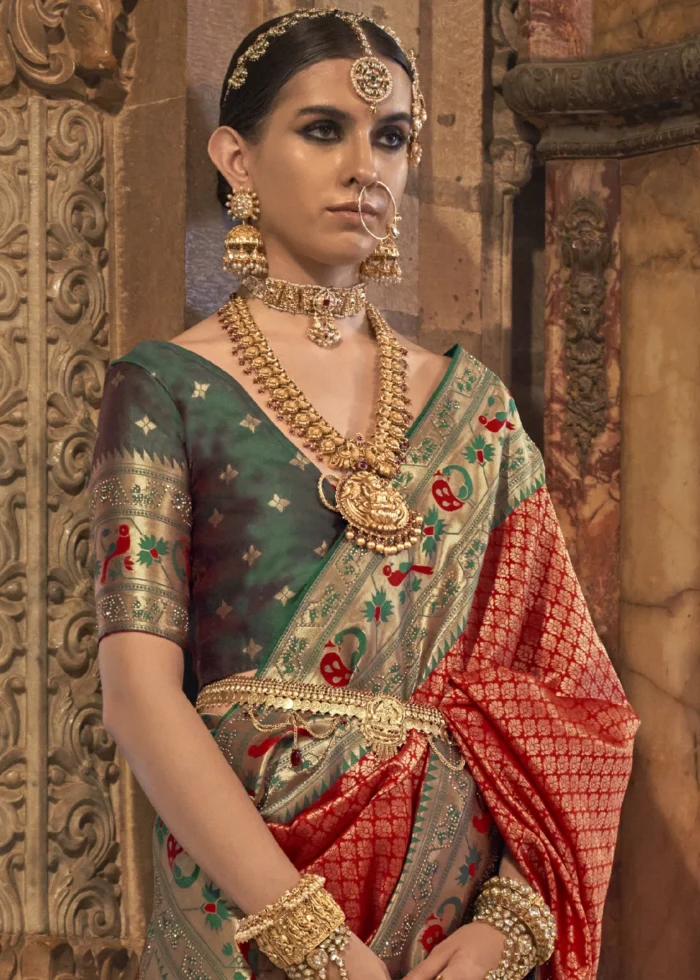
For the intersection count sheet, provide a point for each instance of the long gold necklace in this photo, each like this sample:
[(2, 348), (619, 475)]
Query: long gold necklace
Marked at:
[(379, 518), (322, 303)]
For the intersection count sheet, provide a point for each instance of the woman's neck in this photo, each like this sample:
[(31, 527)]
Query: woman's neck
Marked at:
[(309, 273)]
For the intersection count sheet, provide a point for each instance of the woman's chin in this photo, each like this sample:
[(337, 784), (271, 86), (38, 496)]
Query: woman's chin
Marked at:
[(336, 255)]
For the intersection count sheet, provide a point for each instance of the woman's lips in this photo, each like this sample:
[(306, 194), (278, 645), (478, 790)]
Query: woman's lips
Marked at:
[(352, 217)]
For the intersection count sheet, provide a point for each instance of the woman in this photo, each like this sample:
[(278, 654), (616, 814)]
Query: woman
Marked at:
[(409, 745)]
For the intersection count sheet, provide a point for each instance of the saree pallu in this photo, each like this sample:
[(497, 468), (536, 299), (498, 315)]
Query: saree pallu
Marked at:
[(484, 621)]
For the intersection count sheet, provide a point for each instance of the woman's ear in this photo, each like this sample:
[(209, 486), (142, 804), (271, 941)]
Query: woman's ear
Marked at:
[(229, 154)]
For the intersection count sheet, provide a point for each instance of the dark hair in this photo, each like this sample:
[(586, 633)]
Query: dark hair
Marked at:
[(307, 42)]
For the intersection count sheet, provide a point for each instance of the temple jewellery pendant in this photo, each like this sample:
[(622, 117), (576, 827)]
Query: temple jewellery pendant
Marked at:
[(379, 519)]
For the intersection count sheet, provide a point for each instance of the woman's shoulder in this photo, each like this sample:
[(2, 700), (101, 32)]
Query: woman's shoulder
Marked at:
[(166, 361)]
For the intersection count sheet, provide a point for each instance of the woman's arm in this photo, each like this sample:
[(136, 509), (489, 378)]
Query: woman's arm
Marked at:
[(184, 773), (509, 869), (191, 785)]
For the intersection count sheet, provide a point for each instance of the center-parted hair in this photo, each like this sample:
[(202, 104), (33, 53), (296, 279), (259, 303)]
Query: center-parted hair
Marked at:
[(306, 43)]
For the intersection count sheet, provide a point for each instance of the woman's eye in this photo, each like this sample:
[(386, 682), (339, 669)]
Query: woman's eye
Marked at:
[(322, 130), (326, 131), (396, 138)]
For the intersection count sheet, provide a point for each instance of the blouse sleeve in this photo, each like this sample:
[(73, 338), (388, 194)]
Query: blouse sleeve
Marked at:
[(140, 508)]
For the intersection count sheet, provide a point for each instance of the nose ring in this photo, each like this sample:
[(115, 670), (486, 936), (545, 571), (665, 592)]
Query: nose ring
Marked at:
[(393, 230)]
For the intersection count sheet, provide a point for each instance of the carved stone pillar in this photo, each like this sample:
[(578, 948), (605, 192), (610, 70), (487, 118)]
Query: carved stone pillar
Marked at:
[(71, 905), (620, 134)]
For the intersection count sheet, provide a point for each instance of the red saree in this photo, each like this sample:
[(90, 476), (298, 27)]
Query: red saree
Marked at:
[(484, 620)]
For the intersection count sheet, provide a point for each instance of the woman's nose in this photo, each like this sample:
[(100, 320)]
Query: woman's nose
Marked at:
[(362, 166)]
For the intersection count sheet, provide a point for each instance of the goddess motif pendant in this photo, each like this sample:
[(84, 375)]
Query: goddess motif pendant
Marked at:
[(379, 518)]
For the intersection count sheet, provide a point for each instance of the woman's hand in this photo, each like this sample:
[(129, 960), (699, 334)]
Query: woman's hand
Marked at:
[(467, 954), (360, 962)]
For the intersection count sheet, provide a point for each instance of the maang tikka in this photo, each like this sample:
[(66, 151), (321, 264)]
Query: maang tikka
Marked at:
[(370, 77), (245, 249)]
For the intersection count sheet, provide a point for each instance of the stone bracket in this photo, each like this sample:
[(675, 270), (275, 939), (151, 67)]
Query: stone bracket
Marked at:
[(617, 105)]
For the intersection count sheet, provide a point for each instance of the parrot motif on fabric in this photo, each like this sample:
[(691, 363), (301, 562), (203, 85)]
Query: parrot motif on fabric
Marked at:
[(120, 547), (497, 422), (397, 576)]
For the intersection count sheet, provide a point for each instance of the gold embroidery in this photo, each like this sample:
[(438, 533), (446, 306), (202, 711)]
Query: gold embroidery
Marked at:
[(322, 549), (251, 648), (279, 503), (140, 521), (146, 424), (216, 518), (251, 555), (200, 390), (228, 474), (117, 379), (250, 422), (300, 460), (223, 610), (285, 595)]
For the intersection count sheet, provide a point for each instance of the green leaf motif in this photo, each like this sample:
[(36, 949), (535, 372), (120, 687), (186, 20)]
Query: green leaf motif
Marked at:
[(479, 451), (379, 609), (151, 550)]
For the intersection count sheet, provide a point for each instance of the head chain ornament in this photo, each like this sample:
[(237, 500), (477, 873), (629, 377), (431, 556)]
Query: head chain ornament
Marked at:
[(370, 77)]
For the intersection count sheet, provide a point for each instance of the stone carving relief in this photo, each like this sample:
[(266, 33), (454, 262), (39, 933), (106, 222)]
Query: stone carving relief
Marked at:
[(615, 105), (586, 253), (60, 863), (511, 147), (14, 236), (510, 155), (84, 876), (80, 49)]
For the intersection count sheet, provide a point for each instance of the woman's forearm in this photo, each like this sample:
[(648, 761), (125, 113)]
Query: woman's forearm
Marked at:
[(509, 869), (199, 797)]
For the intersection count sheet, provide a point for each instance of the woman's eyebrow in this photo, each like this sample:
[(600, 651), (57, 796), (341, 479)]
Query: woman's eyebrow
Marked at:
[(341, 116)]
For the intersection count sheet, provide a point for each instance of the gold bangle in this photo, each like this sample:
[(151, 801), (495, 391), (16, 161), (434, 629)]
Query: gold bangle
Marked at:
[(301, 931), (252, 925)]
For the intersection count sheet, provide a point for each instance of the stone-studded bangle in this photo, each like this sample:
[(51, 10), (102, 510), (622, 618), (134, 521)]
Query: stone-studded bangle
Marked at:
[(526, 905), (519, 952), (317, 961)]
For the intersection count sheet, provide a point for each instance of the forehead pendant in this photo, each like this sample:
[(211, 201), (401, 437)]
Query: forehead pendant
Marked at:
[(370, 77)]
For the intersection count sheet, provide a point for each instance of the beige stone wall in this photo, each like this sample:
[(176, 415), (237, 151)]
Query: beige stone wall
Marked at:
[(625, 26), (660, 603)]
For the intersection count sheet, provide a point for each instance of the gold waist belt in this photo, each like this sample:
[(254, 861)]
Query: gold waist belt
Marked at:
[(384, 720)]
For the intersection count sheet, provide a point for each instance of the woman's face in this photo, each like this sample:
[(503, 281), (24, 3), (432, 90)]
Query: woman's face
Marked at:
[(320, 145)]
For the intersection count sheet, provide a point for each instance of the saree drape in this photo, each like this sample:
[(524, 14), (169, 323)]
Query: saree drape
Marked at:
[(485, 620)]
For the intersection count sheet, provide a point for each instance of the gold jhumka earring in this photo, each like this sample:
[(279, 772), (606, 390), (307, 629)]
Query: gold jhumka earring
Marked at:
[(383, 263), (245, 249)]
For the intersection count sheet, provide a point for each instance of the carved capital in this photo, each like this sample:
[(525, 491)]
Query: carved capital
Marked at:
[(66, 48), (617, 105)]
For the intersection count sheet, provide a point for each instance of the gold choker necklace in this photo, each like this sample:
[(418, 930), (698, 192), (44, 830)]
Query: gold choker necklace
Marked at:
[(379, 518), (322, 303)]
